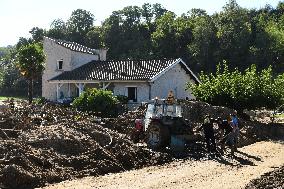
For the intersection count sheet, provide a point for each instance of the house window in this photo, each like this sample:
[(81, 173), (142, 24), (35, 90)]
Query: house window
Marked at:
[(132, 94), (60, 64)]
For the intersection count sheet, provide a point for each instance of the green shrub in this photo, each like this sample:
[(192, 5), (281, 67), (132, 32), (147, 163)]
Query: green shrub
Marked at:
[(39, 100), (248, 90), (99, 101), (122, 99)]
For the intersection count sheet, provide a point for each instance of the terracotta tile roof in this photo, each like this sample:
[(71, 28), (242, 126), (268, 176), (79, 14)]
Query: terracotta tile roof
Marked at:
[(117, 70), (74, 46)]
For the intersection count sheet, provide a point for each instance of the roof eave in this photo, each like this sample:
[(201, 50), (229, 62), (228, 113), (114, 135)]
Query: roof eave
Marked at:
[(172, 65), (195, 77), (97, 81), (155, 77)]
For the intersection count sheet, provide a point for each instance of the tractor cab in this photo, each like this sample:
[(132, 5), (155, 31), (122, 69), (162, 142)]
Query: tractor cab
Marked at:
[(163, 121), (159, 109)]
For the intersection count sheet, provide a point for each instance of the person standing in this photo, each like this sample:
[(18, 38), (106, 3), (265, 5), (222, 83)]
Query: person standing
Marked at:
[(209, 133), (226, 133), (236, 130)]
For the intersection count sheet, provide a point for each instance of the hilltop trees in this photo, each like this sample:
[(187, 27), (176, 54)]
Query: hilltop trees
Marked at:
[(235, 34)]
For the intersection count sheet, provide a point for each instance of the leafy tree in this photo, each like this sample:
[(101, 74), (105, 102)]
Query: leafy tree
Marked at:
[(275, 33), (127, 32), (204, 46), (233, 33), (11, 82), (37, 34), (95, 38), (158, 10), (172, 36), (248, 90), (79, 24), (58, 29), (30, 60), (23, 42)]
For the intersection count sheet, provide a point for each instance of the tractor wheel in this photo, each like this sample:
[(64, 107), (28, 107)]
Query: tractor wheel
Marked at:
[(158, 136)]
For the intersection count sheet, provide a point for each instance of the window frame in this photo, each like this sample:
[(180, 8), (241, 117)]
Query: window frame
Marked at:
[(135, 93), (58, 64)]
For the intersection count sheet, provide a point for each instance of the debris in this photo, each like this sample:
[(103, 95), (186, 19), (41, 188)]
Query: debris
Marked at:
[(50, 143), (54, 143)]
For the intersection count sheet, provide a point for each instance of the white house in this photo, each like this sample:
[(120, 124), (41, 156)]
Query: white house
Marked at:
[(70, 68)]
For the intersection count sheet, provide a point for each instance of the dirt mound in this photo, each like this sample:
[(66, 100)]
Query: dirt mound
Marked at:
[(51, 143), (195, 111), (54, 144), (273, 179), (251, 131)]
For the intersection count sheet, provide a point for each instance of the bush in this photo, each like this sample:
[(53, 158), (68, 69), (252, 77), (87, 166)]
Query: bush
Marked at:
[(40, 100), (248, 90), (99, 101), (122, 99)]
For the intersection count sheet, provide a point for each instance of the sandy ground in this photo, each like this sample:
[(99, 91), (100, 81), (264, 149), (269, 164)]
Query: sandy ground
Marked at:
[(214, 172)]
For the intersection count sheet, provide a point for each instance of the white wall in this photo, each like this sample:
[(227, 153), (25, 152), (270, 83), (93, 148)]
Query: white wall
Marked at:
[(78, 59), (71, 60), (53, 52), (174, 79), (142, 90)]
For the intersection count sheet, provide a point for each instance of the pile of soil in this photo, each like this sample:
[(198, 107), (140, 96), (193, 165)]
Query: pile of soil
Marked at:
[(273, 179), (124, 123), (195, 111), (50, 143)]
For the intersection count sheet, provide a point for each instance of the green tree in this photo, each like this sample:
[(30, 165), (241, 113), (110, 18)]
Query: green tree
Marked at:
[(30, 60), (234, 32), (95, 38), (240, 90), (58, 29), (127, 32), (172, 36), (204, 46), (37, 34), (78, 25)]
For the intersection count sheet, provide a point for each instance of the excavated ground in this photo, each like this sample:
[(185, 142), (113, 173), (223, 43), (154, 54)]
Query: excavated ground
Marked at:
[(48, 144), (270, 180), (51, 143)]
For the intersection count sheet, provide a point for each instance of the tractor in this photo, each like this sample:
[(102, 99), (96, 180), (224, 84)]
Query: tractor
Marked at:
[(163, 125)]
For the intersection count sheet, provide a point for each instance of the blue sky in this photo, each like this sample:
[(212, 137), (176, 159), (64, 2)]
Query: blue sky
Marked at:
[(17, 17)]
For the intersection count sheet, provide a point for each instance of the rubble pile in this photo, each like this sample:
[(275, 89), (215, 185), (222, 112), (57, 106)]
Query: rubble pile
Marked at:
[(124, 123), (251, 131), (273, 179), (46, 144), (51, 143), (195, 111)]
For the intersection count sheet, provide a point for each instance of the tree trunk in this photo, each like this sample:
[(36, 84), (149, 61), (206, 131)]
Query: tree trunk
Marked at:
[(30, 90)]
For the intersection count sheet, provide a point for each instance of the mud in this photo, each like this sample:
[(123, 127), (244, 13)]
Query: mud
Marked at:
[(51, 143)]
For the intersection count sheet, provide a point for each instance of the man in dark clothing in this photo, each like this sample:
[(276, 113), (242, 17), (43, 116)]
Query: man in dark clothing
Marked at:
[(209, 134), (224, 127), (226, 133)]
